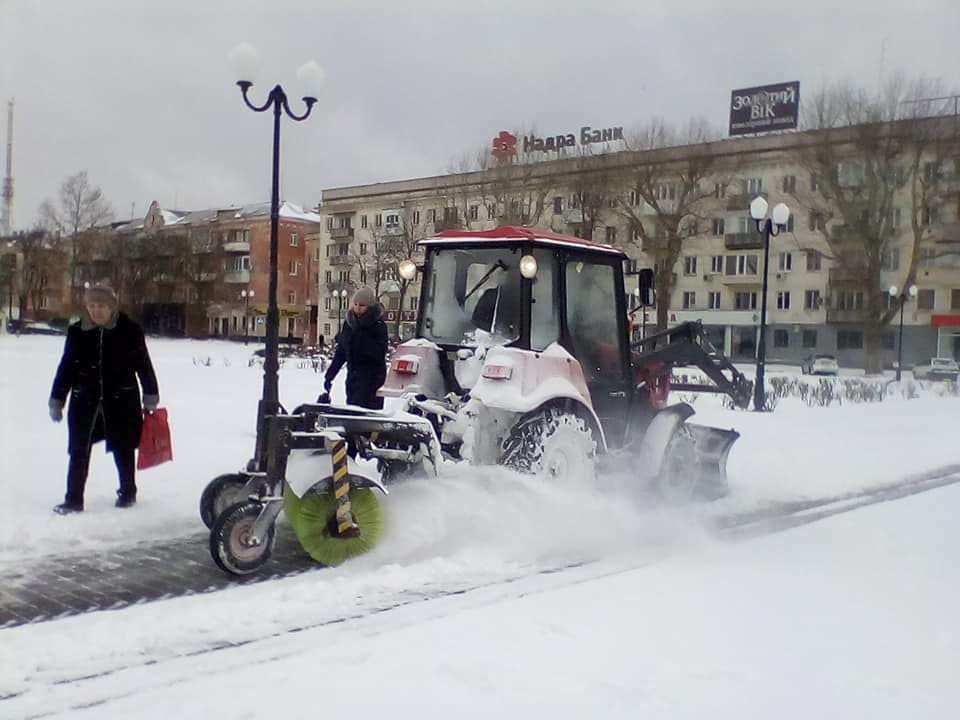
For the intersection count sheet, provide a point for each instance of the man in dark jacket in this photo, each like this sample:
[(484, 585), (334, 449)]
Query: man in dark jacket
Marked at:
[(104, 354), (362, 346)]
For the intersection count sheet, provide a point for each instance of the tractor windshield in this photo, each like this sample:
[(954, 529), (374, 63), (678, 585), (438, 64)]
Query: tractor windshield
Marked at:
[(472, 296)]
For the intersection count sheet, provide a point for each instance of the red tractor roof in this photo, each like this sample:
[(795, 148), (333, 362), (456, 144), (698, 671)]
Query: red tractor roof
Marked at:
[(537, 236)]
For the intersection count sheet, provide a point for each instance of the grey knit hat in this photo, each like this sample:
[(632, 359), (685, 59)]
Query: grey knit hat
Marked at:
[(100, 293), (364, 296)]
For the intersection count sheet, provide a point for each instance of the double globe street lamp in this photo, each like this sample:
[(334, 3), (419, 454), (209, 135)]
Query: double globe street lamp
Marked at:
[(341, 297), (247, 295), (901, 296), (244, 60), (769, 227)]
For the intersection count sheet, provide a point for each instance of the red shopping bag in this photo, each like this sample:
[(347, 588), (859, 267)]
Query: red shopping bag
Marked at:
[(155, 446)]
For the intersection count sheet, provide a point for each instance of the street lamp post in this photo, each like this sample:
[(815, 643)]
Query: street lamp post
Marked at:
[(244, 60), (902, 296), (769, 227), (246, 295), (340, 296)]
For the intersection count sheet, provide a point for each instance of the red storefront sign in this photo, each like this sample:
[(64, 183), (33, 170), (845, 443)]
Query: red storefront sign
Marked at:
[(945, 320)]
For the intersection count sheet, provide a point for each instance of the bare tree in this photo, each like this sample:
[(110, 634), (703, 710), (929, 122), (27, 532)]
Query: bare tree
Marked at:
[(395, 244), (30, 279), (80, 208), (876, 168), (668, 195)]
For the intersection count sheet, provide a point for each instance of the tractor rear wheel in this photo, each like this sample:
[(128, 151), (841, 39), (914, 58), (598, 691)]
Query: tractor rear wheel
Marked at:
[(552, 443)]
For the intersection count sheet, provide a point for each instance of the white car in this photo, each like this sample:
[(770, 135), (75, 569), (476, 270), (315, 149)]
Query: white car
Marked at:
[(820, 365), (937, 369)]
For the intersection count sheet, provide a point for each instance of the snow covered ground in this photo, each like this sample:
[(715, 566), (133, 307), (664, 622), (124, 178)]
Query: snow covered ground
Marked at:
[(464, 607)]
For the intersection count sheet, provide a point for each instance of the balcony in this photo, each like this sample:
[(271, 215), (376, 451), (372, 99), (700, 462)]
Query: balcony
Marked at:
[(336, 260), (742, 280), (837, 315), (743, 241), (841, 277), (237, 246), (236, 276), (206, 276), (341, 233)]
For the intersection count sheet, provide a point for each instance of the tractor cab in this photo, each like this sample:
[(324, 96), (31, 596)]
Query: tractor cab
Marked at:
[(532, 291)]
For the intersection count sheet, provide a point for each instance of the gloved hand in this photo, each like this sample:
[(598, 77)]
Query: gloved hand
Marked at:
[(56, 409), (323, 398), (150, 403)]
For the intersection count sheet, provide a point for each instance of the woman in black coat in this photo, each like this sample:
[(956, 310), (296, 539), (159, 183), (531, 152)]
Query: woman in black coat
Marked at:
[(104, 355), (362, 346)]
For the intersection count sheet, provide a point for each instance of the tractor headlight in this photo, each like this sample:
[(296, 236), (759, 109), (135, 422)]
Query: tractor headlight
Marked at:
[(528, 266), (407, 269)]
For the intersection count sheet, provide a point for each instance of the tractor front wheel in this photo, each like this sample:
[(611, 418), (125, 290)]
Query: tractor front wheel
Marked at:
[(556, 444)]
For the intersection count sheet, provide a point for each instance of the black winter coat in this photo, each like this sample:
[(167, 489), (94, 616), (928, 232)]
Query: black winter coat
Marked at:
[(362, 346), (99, 368)]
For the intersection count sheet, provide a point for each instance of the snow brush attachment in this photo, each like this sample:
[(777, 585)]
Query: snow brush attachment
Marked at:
[(314, 521), (333, 521)]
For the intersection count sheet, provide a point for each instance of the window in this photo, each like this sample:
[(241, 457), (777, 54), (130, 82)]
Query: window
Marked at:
[(610, 234), (783, 300), (691, 228), (330, 223), (790, 183), (393, 220), (789, 227), (849, 300), (816, 221), (378, 220), (345, 276), (808, 339), (363, 248), (491, 211), (955, 299), (416, 217), (814, 260), (635, 198), (316, 253), (291, 297), (745, 301), (814, 182), (326, 303), (363, 221), (713, 300), (235, 264), (294, 267), (413, 303), (557, 205), (786, 262), (890, 259), (781, 338), (363, 276), (450, 214), (741, 265), (590, 287), (895, 218), (849, 340), (716, 264), (689, 300), (926, 299), (753, 186), (474, 212), (328, 276), (432, 215), (689, 264), (716, 226), (294, 240), (930, 215), (811, 300), (719, 190), (926, 257)]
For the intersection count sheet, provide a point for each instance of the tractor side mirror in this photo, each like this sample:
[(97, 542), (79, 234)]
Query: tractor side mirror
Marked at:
[(645, 287)]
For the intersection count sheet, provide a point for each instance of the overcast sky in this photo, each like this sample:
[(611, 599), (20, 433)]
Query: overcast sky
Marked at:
[(141, 95)]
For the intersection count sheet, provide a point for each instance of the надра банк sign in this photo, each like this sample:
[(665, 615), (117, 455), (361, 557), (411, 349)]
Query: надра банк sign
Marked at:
[(766, 108)]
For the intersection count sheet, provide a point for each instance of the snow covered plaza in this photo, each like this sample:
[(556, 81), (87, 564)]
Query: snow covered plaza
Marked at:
[(494, 594)]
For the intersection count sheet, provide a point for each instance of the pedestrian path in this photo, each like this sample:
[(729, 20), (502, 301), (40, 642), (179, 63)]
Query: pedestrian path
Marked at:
[(68, 585)]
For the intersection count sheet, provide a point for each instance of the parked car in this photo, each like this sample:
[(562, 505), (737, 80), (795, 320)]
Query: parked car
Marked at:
[(820, 365), (937, 369)]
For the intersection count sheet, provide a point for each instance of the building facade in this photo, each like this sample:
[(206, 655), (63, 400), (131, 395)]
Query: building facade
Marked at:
[(815, 299)]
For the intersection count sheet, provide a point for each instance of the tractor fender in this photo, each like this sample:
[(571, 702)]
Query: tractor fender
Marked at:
[(652, 447), (519, 381), (426, 379)]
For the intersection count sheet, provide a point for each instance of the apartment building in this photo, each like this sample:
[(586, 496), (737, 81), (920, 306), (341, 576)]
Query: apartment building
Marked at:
[(815, 300), (206, 272)]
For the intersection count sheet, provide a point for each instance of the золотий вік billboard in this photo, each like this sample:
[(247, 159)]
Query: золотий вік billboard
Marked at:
[(764, 108)]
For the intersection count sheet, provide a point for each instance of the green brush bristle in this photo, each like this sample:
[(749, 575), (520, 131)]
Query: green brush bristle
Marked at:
[(309, 517)]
